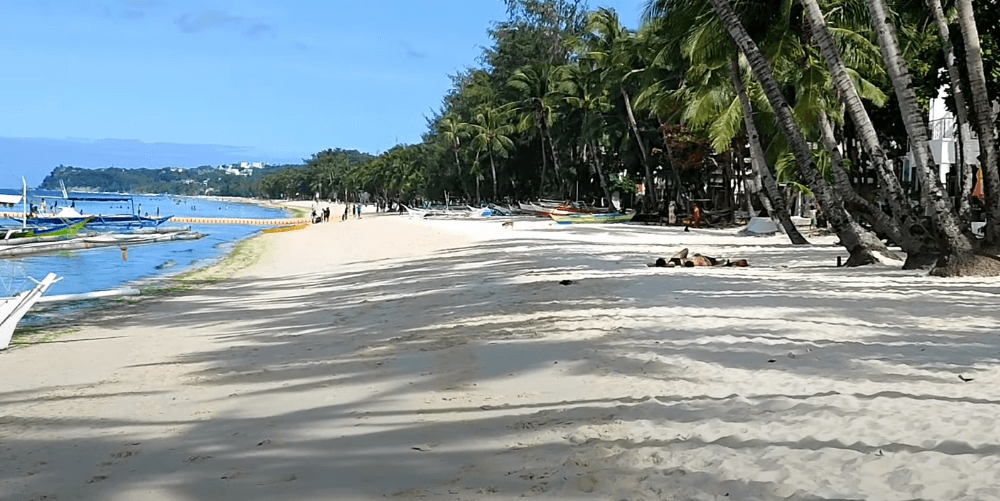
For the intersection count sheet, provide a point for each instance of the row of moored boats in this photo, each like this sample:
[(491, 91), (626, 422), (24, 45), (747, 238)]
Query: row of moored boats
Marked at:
[(66, 221), (559, 211)]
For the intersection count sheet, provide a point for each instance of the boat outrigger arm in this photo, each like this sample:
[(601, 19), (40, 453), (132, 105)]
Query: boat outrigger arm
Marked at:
[(13, 308)]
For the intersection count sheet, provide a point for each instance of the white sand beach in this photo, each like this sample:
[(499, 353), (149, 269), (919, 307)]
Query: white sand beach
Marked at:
[(389, 357)]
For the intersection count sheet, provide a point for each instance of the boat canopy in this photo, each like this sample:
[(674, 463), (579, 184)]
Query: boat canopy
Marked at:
[(10, 199), (88, 199)]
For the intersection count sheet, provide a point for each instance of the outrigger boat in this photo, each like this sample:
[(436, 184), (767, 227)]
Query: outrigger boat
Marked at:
[(438, 211), (546, 208), (13, 308), (59, 228), (54, 230), (605, 217), (116, 221)]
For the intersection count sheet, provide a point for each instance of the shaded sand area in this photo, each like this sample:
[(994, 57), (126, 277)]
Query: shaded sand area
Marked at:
[(396, 358)]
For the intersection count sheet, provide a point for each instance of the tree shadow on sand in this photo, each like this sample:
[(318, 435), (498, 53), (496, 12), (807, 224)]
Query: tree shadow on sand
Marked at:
[(633, 382)]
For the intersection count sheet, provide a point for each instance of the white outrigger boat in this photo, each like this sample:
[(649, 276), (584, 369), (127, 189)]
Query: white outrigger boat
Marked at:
[(13, 308), (438, 212)]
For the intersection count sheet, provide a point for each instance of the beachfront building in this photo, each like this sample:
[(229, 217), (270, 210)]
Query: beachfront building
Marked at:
[(242, 168), (944, 148)]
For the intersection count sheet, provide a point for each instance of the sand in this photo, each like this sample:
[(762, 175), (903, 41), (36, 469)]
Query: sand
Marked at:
[(401, 358)]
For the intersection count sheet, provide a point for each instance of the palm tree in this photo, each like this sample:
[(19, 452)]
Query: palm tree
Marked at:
[(452, 131), (860, 244), (920, 248), (491, 132), (879, 220), (582, 89), (758, 162), (611, 46), (983, 110), (961, 115), (536, 83), (715, 98), (958, 258)]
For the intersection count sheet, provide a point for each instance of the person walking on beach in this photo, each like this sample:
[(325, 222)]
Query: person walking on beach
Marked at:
[(359, 212), (345, 213)]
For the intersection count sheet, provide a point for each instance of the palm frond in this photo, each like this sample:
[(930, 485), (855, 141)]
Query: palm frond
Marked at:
[(727, 126)]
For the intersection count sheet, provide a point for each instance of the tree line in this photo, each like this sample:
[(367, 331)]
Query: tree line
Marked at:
[(204, 180), (728, 102), (724, 99)]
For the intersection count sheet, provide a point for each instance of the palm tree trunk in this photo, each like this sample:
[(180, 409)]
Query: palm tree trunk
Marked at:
[(552, 147), (878, 219), (906, 220), (642, 149), (859, 243), (479, 199), (600, 173), (752, 186), (961, 115), (493, 169), (958, 256), (758, 163), (545, 165), (461, 179), (555, 158), (984, 119)]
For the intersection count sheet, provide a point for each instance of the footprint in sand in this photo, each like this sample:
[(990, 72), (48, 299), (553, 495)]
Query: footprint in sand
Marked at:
[(234, 475), (286, 478)]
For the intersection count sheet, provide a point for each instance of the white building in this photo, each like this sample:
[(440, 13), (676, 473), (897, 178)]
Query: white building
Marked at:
[(943, 139)]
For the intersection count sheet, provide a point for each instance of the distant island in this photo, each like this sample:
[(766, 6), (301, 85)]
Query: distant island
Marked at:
[(223, 180), (242, 179)]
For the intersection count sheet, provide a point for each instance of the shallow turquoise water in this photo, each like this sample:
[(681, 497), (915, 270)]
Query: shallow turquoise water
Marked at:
[(103, 269)]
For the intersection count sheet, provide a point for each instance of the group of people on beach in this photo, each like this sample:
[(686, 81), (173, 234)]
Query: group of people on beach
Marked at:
[(354, 209), (323, 216)]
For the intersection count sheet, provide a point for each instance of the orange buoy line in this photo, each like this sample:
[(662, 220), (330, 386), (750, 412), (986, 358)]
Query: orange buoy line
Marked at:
[(214, 220), (251, 222)]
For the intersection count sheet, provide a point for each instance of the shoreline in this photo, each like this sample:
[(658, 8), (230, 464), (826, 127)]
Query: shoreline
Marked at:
[(395, 357), (40, 326)]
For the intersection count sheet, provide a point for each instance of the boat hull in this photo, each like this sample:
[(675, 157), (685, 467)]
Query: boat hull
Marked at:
[(608, 217), (101, 220), (61, 229)]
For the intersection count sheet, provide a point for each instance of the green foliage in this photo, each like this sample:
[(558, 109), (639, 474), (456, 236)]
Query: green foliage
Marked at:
[(329, 173), (624, 185), (196, 181), (552, 105)]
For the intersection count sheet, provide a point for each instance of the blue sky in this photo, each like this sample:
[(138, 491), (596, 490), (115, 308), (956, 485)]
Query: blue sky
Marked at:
[(150, 83)]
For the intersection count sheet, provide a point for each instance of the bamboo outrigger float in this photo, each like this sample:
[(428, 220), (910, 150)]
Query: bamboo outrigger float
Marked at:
[(41, 245)]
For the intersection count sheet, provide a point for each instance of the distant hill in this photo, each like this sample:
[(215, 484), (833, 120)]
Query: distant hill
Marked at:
[(204, 180)]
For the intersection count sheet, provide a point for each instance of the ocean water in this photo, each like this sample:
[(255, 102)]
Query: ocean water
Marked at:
[(105, 269)]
